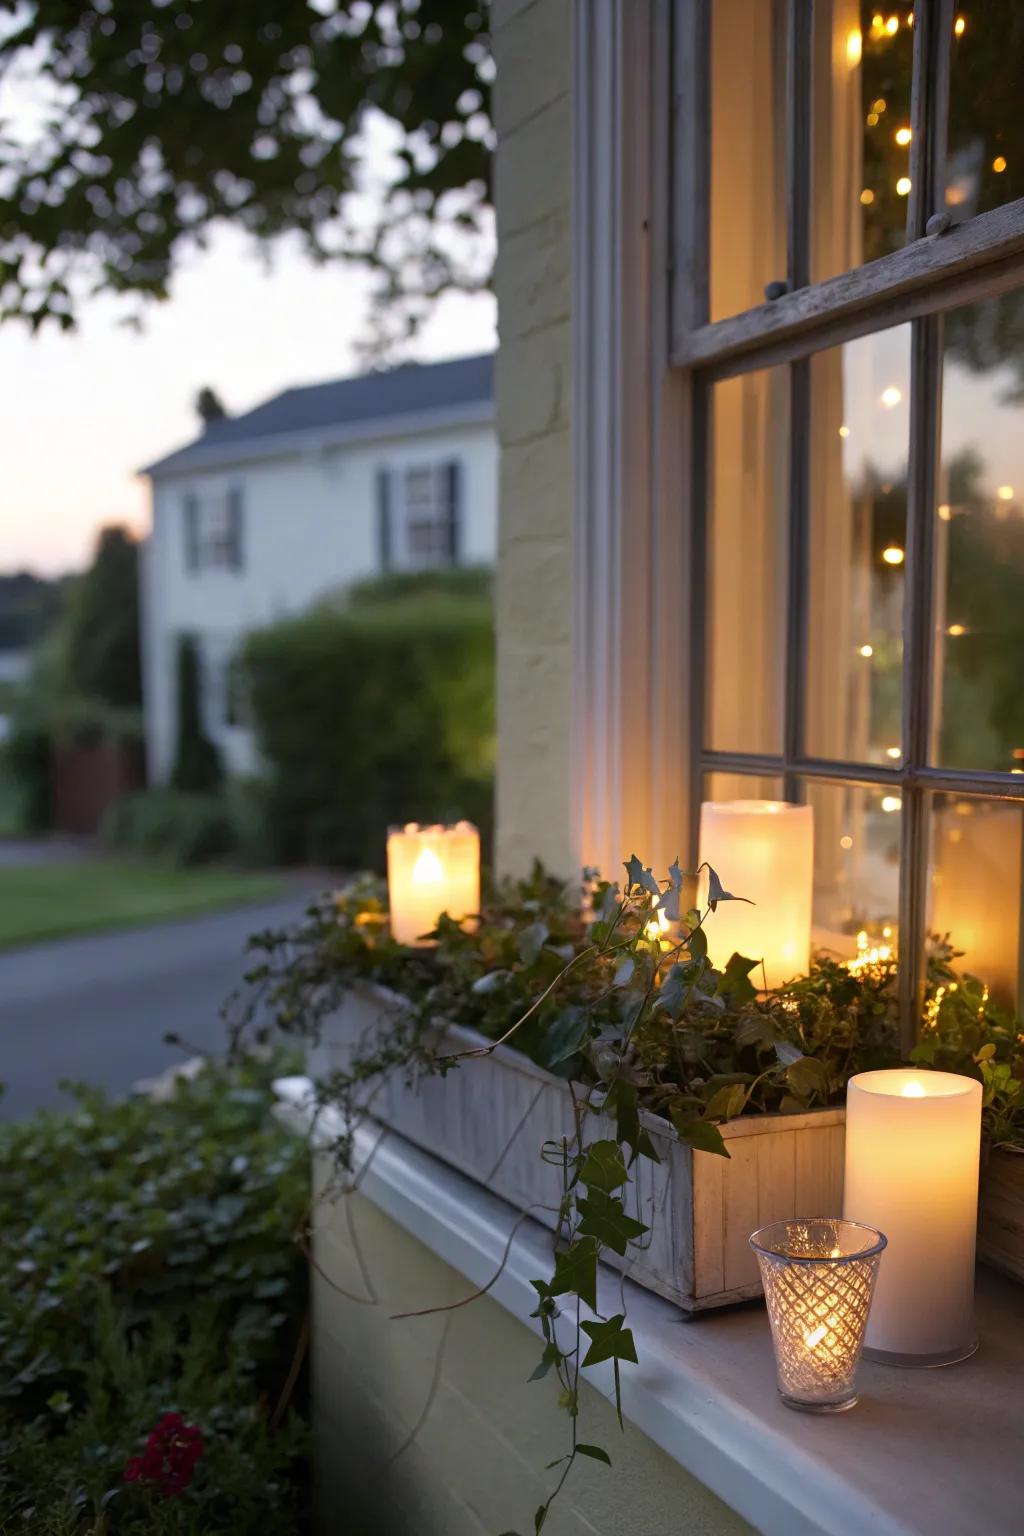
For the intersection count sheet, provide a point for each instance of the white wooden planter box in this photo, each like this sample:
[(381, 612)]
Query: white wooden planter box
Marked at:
[(490, 1118)]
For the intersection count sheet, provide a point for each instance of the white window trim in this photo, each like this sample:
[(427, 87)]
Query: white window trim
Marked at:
[(630, 489)]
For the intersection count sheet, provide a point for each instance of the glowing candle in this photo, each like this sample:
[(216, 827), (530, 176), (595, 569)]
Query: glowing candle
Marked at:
[(819, 1277), (431, 870), (763, 850), (912, 1149)]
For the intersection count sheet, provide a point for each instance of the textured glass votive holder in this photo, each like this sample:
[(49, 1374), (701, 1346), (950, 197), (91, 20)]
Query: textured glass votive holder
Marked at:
[(819, 1276)]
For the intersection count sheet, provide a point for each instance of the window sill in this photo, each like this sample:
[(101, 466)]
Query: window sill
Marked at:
[(924, 1451)]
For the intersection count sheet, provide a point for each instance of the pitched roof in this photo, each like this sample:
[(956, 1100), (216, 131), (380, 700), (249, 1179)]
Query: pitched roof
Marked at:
[(351, 408)]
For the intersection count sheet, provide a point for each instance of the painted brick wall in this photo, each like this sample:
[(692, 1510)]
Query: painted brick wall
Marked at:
[(531, 45), (473, 1464)]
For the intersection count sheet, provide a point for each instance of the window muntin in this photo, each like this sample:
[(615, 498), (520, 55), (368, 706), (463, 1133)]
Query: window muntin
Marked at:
[(916, 285)]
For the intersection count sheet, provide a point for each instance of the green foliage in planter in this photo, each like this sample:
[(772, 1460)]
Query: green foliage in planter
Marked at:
[(634, 1019), (151, 1268), (375, 713)]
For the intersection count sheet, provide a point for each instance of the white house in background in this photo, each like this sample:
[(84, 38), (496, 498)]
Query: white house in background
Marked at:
[(319, 487)]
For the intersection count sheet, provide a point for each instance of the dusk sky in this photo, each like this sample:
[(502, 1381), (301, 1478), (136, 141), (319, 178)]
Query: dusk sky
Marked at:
[(82, 411)]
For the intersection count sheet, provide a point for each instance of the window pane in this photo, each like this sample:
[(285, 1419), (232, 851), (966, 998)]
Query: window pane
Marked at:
[(985, 164), (976, 887), (979, 644), (860, 396), (746, 588), (861, 137), (856, 866), (748, 177)]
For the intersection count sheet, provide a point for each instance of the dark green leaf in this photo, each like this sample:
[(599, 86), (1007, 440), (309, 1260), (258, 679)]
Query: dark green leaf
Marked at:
[(603, 1167), (624, 971), (735, 979), (701, 1135), (576, 1271), (604, 1218), (726, 1103), (552, 1356), (609, 1341), (595, 1453), (807, 1077)]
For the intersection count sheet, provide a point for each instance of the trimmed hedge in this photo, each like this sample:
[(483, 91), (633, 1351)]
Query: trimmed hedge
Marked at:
[(379, 712)]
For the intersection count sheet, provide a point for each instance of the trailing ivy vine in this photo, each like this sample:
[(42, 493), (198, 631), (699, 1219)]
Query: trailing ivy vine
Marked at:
[(618, 995)]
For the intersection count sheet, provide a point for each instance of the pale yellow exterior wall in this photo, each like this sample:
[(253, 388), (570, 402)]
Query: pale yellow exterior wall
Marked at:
[(474, 1466), (532, 116)]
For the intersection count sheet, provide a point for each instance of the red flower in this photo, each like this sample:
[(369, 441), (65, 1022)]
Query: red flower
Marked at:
[(171, 1453)]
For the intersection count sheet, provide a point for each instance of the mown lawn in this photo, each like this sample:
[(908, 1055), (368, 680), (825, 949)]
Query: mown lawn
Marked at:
[(51, 901)]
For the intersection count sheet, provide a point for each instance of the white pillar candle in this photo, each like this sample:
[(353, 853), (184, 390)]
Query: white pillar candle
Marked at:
[(431, 870), (912, 1150), (763, 850)]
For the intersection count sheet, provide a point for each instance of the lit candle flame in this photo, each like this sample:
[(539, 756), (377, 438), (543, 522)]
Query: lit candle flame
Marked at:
[(912, 1091), (428, 869), (815, 1337)]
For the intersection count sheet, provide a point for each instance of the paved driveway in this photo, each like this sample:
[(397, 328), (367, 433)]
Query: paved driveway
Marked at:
[(96, 1009)]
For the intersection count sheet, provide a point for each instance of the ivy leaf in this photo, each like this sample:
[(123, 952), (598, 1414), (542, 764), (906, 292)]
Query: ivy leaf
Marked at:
[(595, 1453), (755, 1029), (701, 1135), (735, 979), (637, 875), (609, 1341), (621, 1101), (671, 902), (532, 941), (673, 991), (576, 1271), (552, 1356), (539, 1518), (717, 892), (726, 1103), (564, 1037), (697, 944), (624, 971), (605, 1219), (787, 1053), (603, 1167), (807, 1076)]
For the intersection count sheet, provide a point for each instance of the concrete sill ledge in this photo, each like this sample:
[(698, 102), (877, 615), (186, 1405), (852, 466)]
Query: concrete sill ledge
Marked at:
[(924, 1453)]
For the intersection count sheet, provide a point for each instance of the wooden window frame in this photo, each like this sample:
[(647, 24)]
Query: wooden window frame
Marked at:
[(978, 259)]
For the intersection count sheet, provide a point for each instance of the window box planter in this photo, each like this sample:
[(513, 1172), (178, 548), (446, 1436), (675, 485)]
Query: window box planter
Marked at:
[(1001, 1215), (490, 1118)]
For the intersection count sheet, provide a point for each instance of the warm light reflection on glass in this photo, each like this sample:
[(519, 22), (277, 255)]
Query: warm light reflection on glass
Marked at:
[(891, 803), (903, 135), (960, 26), (999, 164), (894, 752), (891, 396), (945, 513), (956, 630), (866, 651), (892, 555), (1005, 493), (854, 47), (903, 186)]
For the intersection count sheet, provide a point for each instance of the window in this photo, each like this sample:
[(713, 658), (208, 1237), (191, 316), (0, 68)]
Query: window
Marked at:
[(420, 516), (848, 309), (213, 530)]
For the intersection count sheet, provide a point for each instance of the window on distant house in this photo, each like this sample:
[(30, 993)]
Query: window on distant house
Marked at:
[(419, 516), (213, 530), (849, 306)]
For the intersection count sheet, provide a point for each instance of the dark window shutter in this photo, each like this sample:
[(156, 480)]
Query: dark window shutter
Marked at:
[(385, 550), (191, 533), (453, 510), (235, 522)]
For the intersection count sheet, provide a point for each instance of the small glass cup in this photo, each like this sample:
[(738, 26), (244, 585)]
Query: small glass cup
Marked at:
[(819, 1277)]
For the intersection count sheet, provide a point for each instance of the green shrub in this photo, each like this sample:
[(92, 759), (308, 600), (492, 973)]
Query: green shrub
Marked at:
[(376, 713), (171, 824), (460, 581), (150, 1268)]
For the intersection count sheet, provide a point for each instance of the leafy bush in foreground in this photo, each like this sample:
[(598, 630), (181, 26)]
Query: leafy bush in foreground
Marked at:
[(150, 1269)]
